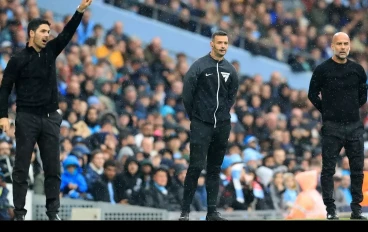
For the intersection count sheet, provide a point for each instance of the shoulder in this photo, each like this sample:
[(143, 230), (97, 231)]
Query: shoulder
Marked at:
[(200, 61), (322, 67), (230, 66), (356, 65), (18, 55)]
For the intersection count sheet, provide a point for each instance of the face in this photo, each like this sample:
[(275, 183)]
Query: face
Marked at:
[(161, 178), (341, 46), (98, 160), (219, 45), (133, 167), (110, 172), (71, 169), (40, 36)]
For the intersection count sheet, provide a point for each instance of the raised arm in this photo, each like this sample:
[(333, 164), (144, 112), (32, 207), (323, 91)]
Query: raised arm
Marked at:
[(60, 42)]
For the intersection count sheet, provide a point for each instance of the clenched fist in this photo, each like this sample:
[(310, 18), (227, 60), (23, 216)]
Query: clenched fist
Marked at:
[(84, 4)]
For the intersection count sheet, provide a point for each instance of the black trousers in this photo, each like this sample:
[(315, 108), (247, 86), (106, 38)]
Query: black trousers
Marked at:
[(334, 137), (45, 131), (206, 144)]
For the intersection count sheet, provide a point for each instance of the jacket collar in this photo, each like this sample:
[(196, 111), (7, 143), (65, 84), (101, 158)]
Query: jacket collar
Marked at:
[(30, 48), (217, 61)]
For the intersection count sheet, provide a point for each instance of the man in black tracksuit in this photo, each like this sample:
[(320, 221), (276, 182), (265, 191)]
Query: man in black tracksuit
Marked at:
[(38, 120), (342, 85), (210, 89)]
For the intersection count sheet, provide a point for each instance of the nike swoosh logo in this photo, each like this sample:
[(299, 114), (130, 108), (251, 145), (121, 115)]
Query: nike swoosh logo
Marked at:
[(208, 74)]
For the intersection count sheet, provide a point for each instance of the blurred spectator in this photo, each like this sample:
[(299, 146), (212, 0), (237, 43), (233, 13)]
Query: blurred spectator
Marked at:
[(6, 211)]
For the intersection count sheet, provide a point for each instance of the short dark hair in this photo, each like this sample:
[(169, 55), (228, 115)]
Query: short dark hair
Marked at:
[(218, 33), (35, 23), (109, 163)]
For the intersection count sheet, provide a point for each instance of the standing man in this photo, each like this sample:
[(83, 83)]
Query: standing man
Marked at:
[(210, 89), (38, 120), (338, 90)]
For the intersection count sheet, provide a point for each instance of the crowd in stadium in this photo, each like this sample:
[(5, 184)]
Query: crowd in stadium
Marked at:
[(297, 32), (124, 118)]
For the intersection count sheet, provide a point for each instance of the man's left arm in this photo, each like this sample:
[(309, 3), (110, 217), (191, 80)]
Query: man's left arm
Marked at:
[(362, 87), (60, 42), (233, 88)]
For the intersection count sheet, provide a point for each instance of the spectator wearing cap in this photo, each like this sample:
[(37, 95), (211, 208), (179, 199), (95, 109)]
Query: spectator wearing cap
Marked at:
[(225, 174), (237, 194), (82, 152), (251, 155), (65, 129)]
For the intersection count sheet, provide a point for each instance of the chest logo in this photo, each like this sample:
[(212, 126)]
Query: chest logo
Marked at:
[(225, 75)]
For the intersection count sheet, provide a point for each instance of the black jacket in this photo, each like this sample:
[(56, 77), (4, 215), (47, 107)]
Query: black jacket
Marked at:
[(210, 89), (34, 74)]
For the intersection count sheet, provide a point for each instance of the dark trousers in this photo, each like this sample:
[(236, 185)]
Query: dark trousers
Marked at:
[(45, 131), (206, 143), (334, 138)]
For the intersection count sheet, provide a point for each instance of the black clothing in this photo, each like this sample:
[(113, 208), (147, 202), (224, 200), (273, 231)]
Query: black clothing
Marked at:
[(210, 89), (206, 144), (34, 75), (37, 119), (100, 190), (209, 92), (43, 130), (336, 136), (343, 90)]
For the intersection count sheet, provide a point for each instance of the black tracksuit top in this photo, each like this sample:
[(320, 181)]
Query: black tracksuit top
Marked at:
[(34, 74), (210, 89)]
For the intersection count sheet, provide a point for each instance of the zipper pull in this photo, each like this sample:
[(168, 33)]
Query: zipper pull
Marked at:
[(48, 115), (39, 55)]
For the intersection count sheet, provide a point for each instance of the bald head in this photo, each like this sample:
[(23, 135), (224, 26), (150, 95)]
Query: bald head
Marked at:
[(340, 36), (340, 46)]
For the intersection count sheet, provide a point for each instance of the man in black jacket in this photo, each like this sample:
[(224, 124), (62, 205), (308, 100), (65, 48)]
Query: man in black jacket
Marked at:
[(38, 120), (210, 89), (341, 83)]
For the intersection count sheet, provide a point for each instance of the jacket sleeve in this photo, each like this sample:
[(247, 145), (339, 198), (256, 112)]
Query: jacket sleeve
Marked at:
[(190, 86), (233, 88), (60, 42), (362, 87), (315, 87), (9, 78)]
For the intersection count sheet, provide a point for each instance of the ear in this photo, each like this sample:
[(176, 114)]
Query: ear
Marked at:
[(31, 33), (211, 43)]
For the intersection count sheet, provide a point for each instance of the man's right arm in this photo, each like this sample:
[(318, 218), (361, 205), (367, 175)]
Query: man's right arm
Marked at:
[(190, 85), (315, 89), (9, 77)]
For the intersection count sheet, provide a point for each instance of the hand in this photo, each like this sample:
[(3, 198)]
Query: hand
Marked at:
[(72, 186), (84, 4), (4, 124)]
